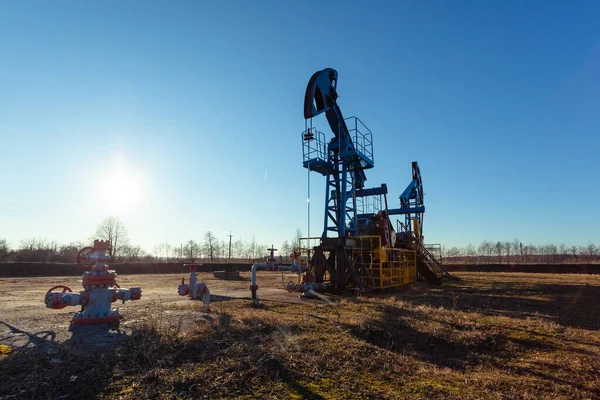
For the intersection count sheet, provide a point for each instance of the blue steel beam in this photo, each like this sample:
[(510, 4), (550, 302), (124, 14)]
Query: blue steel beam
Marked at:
[(409, 210), (372, 191)]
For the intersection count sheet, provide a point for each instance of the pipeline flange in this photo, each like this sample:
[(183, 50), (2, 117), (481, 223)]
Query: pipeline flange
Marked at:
[(91, 279), (54, 299), (77, 320)]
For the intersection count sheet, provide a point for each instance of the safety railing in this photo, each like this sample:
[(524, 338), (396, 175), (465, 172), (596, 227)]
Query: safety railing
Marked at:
[(380, 267), (369, 204), (314, 147), (400, 226), (436, 251), (362, 138)]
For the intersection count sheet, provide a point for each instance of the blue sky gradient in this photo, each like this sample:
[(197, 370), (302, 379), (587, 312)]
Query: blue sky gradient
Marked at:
[(193, 110)]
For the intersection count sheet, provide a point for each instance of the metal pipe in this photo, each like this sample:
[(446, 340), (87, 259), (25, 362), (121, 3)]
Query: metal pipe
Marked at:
[(194, 289), (270, 266)]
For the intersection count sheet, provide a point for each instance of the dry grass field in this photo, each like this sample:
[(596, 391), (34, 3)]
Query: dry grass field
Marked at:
[(487, 336)]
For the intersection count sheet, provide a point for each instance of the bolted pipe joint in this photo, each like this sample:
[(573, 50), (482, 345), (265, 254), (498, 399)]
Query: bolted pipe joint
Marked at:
[(134, 293), (203, 294), (253, 289), (55, 300), (58, 300), (183, 289)]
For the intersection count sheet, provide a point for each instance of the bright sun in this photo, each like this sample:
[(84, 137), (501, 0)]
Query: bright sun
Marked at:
[(122, 186), (123, 189)]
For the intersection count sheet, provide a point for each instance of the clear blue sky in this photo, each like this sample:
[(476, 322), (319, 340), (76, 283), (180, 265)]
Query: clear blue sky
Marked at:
[(193, 112)]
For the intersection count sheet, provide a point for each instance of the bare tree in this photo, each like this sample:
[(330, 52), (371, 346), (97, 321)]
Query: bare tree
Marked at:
[(238, 248), (162, 251), (591, 251), (4, 249), (177, 251), (261, 250), (191, 249), (223, 249), (507, 246), (499, 247), (210, 243), (486, 249), (470, 252), (526, 253), (295, 243), (533, 252), (132, 253), (573, 252), (33, 244), (34, 249), (113, 230), (286, 249), (68, 252), (452, 252), (515, 251), (552, 251), (517, 248), (253, 247)]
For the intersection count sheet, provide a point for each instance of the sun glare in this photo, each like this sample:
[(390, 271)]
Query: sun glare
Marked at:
[(123, 189), (123, 186)]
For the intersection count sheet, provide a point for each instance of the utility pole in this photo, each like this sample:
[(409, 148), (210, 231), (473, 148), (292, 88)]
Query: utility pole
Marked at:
[(230, 236)]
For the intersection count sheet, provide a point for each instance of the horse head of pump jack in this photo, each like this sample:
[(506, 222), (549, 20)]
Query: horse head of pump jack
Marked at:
[(320, 93)]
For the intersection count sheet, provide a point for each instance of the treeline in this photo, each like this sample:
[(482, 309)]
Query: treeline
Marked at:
[(211, 249), (41, 250), (122, 250), (515, 251)]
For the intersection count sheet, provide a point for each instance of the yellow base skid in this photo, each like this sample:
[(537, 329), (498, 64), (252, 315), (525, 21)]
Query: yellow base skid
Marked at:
[(377, 267)]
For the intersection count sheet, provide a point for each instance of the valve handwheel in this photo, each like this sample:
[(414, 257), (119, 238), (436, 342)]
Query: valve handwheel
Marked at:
[(83, 258), (64, 289), (290, 283)]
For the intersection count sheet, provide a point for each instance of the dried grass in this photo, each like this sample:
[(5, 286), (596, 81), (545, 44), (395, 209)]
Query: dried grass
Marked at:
[(486, 337)]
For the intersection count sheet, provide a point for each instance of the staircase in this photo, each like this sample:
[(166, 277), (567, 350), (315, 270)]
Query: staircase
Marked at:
[(429, 267)]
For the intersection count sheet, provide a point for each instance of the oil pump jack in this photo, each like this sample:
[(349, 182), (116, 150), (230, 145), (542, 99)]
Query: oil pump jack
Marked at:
[(343, 161)]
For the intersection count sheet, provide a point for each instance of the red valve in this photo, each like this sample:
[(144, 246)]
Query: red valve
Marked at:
[(56, 300), (83, 258), (290, 283)]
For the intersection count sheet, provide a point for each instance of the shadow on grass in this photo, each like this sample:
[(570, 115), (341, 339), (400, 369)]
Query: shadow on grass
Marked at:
[(89, 338), (42, 340), (568, 305), (393, 332), (77, 367), (226, 357), (446, 347)]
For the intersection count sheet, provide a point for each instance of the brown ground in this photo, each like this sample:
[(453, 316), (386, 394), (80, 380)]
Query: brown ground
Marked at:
[(24, 320), (490, 335)]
